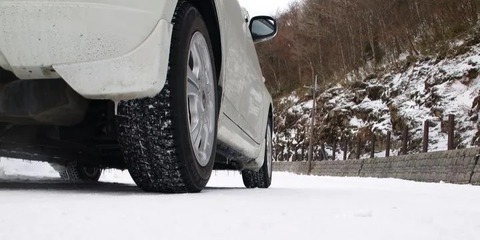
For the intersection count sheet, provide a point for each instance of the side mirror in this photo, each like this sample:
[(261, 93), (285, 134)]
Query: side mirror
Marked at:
[(263, 28)]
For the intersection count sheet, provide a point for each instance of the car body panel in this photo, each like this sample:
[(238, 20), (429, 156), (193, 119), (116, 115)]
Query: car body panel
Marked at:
[(246, 100), (75, 34), (140, 73)]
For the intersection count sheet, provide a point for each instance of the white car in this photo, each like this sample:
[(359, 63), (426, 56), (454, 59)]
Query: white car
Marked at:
[(168, 89)]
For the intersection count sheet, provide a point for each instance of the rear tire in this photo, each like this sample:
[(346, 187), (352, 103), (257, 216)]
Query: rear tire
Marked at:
[(79, 173), (262, 178), (169, 141)]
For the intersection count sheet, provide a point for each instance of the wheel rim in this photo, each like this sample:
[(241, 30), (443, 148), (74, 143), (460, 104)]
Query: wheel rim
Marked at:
[(90, 172), (200, 99), (269, 151)]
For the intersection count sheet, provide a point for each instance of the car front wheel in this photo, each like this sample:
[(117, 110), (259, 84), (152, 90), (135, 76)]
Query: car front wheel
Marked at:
[(169, 141)]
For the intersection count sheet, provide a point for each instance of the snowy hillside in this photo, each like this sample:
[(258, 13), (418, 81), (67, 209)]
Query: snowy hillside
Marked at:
[(428, 89)]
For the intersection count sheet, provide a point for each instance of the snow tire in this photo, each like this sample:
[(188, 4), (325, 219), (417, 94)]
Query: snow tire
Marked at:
[(79, 173), (262, 178), (154, 133)]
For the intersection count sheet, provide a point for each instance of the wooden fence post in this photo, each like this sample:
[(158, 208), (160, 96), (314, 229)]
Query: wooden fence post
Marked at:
[(303, 152), (389, 137), (324, 153), (405, 140), (426, 129), (288, 151), (372, 153), (334, 155), (280, 154), (451, 132), (359, 142)]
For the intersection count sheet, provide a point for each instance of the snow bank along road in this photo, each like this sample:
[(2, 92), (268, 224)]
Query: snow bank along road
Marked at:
[(35, 204)]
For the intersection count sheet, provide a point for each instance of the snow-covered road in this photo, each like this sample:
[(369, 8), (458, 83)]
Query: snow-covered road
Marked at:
[(34, 204)]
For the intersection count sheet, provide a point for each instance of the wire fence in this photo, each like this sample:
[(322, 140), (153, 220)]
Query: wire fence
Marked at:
[(354, 148)]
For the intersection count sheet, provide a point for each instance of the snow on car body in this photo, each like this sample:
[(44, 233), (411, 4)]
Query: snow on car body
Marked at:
[(126, 52)]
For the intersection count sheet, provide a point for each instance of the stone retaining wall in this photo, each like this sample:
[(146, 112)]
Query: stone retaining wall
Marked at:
[(476, 174), (458, 166)]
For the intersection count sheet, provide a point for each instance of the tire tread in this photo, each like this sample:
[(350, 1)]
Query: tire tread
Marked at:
[(149, 146)]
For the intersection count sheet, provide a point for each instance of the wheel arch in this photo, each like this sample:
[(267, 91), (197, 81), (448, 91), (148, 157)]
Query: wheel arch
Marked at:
[(270, 117), (270, 113), (208, 11)]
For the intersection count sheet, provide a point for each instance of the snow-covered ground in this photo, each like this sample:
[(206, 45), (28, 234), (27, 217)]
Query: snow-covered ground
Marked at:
[(35, 204)]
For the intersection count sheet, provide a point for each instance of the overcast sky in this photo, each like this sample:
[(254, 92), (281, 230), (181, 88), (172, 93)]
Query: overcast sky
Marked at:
[(264, 7)]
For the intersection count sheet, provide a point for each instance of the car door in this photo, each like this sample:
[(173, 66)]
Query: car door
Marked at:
[(253, 108), (242, 77)]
